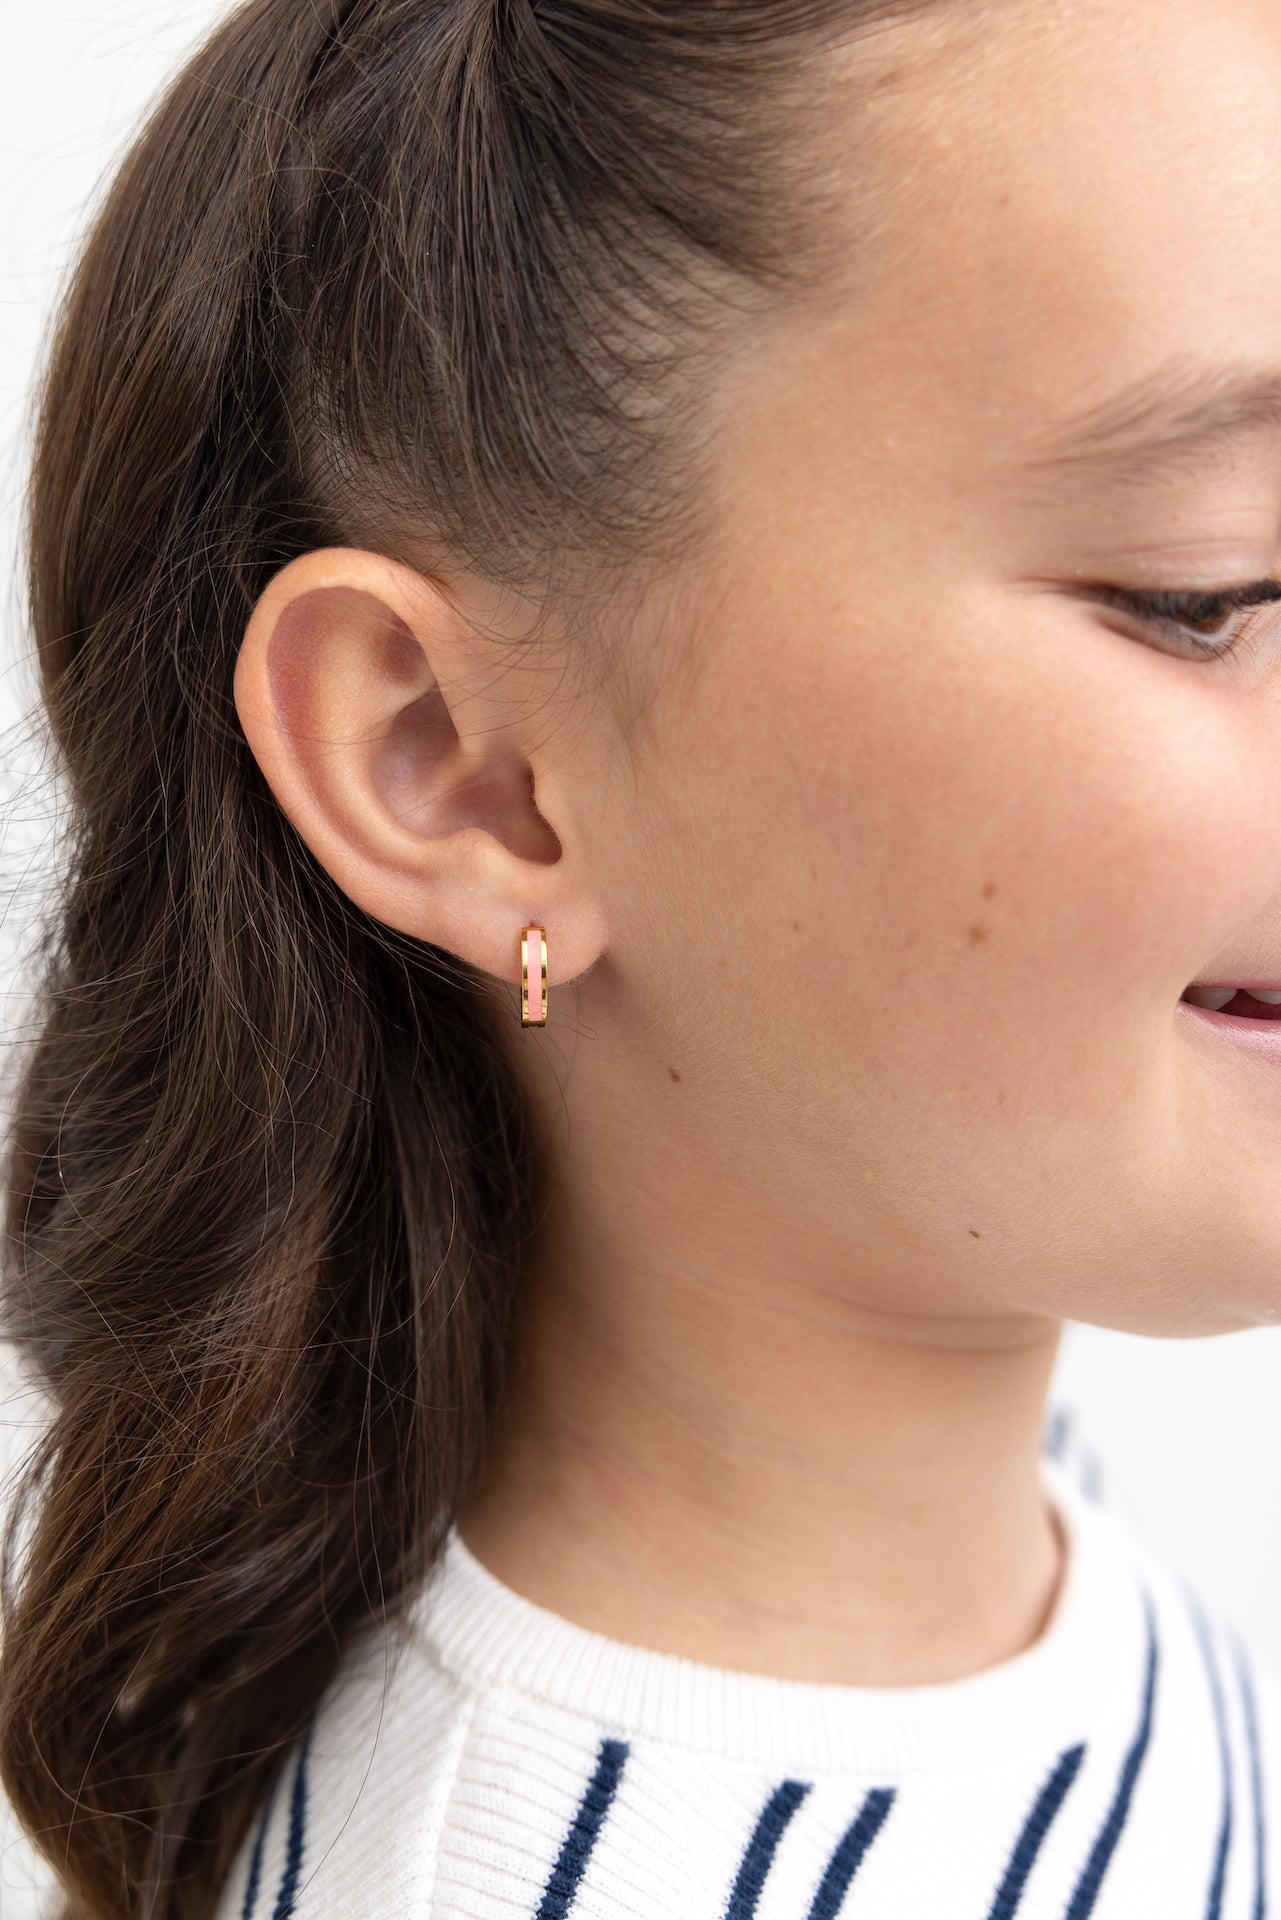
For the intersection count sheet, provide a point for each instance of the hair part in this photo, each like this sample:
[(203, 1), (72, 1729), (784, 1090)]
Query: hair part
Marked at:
[(449, 278)]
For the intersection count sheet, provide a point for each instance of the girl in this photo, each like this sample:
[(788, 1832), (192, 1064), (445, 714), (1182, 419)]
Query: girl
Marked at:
[(661, 620)]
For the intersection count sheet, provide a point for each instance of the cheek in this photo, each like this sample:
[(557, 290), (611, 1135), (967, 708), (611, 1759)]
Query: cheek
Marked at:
[(972, 838), (951, 894)]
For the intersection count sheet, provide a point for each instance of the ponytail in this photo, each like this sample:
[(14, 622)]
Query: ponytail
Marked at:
[(252, 1249), (269, 1184)]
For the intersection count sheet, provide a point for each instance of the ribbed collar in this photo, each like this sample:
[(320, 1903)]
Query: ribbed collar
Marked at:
[(1086, 1663)]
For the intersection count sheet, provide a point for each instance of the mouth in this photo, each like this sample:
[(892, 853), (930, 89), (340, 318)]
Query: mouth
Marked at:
[(1254, 1004)]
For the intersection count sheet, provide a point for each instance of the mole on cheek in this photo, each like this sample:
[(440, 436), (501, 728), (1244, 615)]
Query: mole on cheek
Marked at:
[(980, 933)]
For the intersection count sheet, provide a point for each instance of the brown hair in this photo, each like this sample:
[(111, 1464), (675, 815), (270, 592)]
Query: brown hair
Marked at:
[(433, 276)]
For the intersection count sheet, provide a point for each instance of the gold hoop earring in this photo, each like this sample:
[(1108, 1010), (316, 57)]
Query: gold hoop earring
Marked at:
[(533, 992)]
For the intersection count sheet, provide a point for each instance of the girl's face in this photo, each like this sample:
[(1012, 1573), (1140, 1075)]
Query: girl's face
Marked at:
[(930, 837)]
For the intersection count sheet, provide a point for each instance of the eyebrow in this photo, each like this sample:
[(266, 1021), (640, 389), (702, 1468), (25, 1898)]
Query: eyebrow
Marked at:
[(1165, 423)]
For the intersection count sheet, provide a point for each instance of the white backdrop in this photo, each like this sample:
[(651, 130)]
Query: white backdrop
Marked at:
[(1188, 1433)]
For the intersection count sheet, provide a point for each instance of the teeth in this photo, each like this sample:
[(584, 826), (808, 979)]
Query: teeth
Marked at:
[(1216, 998), (1212, 998)]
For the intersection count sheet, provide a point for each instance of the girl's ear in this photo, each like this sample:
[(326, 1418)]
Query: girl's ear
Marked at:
[(403, 747)]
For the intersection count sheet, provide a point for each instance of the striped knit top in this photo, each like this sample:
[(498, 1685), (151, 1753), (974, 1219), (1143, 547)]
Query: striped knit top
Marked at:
[(502, 1763)]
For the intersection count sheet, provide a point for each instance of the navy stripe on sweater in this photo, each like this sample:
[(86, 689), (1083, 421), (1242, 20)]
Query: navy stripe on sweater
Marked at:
[(850, 1849), (1087, 1887), (1259, 1909), (1218, 1874), (297, 1836), (762, 1847), (1035, 1828), (250, 1906), (576, 1848)]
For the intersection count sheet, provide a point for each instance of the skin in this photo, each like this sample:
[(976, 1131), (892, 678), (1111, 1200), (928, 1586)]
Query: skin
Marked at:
[(873, 1069)]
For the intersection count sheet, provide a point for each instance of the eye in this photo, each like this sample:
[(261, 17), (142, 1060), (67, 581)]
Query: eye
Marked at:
[(1212, 624)]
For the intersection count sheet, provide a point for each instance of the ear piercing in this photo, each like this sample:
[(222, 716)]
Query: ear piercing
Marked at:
[(533, 980)]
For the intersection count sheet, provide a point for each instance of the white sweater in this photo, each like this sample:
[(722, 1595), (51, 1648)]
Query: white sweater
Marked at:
[(502, 1763), (510, 1765)]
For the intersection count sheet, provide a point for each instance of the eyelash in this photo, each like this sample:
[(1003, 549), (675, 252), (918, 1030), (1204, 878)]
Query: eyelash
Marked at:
[(1169, 613)]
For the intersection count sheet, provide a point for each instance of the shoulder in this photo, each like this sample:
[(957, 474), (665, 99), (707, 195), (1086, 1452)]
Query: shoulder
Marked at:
[(1207, 1747), (351, 1821), (1243, 1692)]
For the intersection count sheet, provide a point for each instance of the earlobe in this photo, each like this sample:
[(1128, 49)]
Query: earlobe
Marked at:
[(397, 749)]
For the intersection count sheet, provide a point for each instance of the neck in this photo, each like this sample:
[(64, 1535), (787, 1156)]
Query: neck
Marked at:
[(759, 1474)]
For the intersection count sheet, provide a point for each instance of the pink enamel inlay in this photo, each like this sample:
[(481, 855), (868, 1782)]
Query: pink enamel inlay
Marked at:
[(534, 948)]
